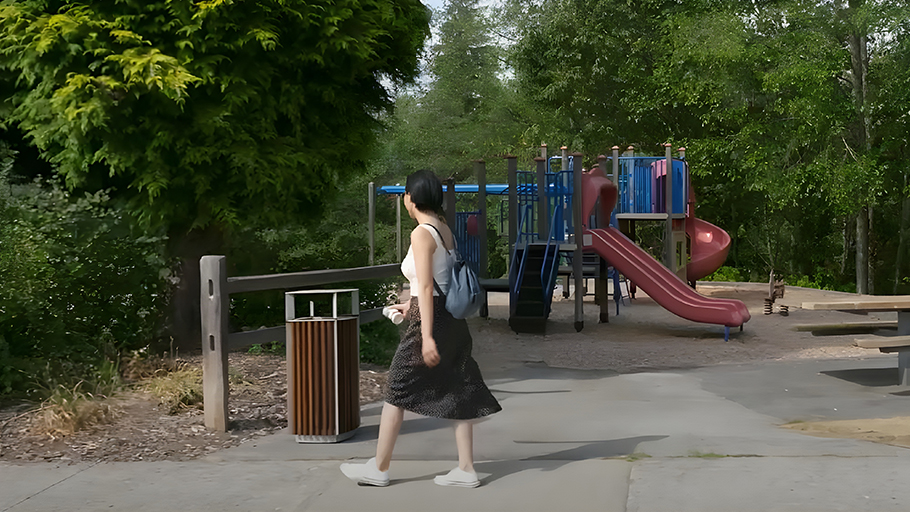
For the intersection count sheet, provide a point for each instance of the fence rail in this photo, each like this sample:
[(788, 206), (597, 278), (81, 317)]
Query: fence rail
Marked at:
[(214, 298)]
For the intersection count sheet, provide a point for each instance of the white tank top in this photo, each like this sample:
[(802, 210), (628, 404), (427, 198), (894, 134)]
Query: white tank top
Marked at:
[(442, 263)]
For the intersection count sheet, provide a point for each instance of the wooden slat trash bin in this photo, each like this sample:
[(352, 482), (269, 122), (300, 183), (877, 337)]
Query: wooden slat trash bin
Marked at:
[(323, 358)]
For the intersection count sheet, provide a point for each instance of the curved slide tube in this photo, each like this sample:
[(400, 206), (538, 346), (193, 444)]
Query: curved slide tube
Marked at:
[(665, 287), (710, 246)]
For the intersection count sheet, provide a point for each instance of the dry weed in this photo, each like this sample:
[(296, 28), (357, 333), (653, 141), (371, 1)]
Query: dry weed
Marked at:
[(138, 367), (69, 410), (176, 390)]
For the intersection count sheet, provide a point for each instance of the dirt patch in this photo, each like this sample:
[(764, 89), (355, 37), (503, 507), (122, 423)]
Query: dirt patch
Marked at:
[(142, 429), (893, 431)]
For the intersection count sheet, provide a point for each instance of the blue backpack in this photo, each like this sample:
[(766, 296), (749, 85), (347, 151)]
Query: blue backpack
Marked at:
[(464, 296)]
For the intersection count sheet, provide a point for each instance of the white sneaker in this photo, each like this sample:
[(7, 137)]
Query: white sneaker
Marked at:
[(366, 474), (458, 478)]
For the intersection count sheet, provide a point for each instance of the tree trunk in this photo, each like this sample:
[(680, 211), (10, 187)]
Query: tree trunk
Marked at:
[(846, 228), (859, 61), (902, 245), (862, 250), (184, 322), (870, 253)]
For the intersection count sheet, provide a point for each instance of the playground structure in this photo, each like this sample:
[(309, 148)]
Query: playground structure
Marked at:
[(545, 222)]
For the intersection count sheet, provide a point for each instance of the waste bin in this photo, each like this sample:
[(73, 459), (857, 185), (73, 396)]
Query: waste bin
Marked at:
[(323, 357)]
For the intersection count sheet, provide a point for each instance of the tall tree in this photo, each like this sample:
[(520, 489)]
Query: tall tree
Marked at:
[(776, 99), (204, 115), (464, 111), (889, 77)]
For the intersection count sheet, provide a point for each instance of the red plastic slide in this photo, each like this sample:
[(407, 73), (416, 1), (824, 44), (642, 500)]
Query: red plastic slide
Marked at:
[(665, 287), (709, 249)]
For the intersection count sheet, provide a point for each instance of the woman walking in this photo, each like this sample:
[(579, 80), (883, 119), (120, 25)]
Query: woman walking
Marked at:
[(432, 372)]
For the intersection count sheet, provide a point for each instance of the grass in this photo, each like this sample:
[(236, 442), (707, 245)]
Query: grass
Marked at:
[(276, 348), (67, 410), (378, 342), (703, 455), (176, 390)]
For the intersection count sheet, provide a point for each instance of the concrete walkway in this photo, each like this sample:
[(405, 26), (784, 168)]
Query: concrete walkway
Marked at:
[(695, 440)]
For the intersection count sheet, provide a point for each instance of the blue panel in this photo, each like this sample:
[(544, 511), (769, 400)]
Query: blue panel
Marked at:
[(467, 188)]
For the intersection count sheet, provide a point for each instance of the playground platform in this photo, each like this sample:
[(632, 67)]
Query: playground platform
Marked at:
[(685, 438)]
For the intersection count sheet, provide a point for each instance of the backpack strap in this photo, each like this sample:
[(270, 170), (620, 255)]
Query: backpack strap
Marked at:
[(441, 240), (435, 284)]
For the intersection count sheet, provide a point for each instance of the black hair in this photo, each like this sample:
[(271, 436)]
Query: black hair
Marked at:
[(426, 191)]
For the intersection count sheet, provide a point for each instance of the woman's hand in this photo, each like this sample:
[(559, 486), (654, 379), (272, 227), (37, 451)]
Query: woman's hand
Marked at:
[(404, 309), (430, 355)]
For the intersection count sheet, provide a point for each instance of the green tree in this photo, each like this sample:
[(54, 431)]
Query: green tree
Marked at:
[(205, 115), (889, 77), (589, 68), (781, 102), (465, 111), (792, 95)]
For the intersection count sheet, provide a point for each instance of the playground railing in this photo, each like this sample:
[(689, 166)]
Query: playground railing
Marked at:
[(548, 275), (526, 192), (468, 245), (516, 272), (559, 195), (642, 189)]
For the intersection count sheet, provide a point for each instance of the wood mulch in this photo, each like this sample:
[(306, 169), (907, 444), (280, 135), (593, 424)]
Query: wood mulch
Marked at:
[(140, 429)]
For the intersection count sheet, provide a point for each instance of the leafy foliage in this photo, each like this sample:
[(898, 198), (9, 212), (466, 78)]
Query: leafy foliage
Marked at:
[(213, 111), (205, 116), (465, 111), (787, 139), (79, 286)]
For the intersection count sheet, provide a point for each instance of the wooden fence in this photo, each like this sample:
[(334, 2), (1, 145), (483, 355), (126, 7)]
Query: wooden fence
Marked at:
[(215, 300)]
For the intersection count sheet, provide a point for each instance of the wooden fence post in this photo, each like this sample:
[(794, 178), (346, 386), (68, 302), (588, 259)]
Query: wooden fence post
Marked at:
[(371, 220), (480, 170), (215, 306)]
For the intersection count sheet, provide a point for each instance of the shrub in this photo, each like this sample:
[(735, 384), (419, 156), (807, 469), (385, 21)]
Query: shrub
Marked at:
[(80, 286), (378, 341), (726, 274)]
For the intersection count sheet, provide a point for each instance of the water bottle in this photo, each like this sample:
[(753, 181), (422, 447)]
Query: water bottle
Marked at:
[(393, 314)]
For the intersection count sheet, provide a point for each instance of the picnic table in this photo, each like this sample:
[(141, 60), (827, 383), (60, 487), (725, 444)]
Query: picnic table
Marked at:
[(864, 304)]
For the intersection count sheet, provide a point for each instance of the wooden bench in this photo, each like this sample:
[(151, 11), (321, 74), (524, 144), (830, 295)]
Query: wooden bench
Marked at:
[(847, 327), (869, 304), (863, 304), (889, 344)]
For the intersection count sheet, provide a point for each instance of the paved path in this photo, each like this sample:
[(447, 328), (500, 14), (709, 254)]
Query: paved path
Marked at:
[(696, 440)]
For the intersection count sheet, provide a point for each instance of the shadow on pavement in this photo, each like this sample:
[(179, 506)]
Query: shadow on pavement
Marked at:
[(871, 377), (605, 449)]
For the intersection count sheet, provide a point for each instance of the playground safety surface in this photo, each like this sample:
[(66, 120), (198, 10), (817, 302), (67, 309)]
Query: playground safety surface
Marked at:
[(646, 413)]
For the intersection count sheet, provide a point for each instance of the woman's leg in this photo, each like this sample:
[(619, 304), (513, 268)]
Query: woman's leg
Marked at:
[(389, 425), (464, 439)]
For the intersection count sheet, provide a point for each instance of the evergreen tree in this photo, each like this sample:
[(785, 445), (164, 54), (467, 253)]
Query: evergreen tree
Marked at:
[(205, 115)]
